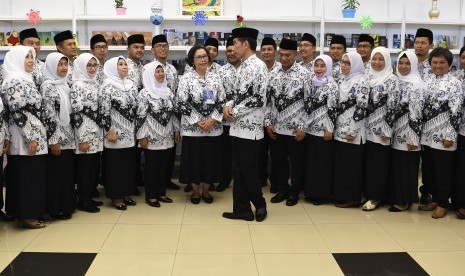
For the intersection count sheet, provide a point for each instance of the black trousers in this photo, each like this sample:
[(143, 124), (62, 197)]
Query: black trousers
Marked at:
[(376, 171), (284, 149), (139, 178), (226, 159), (156, 172), (1, 184), (263, 155), (425, 177), (87, 166), (172, 160), (246, 187), (458, 191), (441, 165)]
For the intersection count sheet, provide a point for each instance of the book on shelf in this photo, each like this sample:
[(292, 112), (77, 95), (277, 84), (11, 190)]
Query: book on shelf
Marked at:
[(328, 38), (445, 41), (396, 41), (348, 38), (354, 39), (120, 38), (383, 41), (2, 39), (12, 38)]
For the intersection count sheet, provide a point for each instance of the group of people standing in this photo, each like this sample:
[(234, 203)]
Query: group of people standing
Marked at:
[(341, 126)]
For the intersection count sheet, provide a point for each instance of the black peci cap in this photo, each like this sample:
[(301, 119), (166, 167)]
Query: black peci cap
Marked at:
[(366, 38), (60, 37), (268, 41), (136, 38), (230, 41), (308, 37), (96, 39), (339, 39), (245, 33), (32, 32), (211, 41), (288, 44)]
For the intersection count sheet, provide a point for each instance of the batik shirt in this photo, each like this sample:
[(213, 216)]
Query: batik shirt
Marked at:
[(352, 112), (308, 66), (285, 99), (156, 120), (367, 66), (321, 108), (442, 111), (100, 77), (425, 70), (249, 99), (117, 108), (38, 73), (62, 135), (135, 71), (336, 73), (382, 106), (460, 75), (228, 76), (198, 100), (85, 117), (1, 75), (407, 126), (69, 79), (27, 117), (215, 68)]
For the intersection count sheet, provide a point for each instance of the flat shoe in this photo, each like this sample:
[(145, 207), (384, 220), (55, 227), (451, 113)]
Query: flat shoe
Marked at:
[(430, 207), (153, 203), (248, 216), (195, 200), (62, 216), (33, 225), (346, 205), (439, 212), (165, 199), (460, 214), (207, 199), (399, 208), (121, 207), (370, 205), (129, 202)]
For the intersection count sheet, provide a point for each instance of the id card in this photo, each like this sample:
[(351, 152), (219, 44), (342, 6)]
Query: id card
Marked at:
[(208, 97)]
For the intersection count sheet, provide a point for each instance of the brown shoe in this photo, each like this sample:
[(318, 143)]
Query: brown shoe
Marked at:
[(439, 212), (33, 224), (430, 207), (460, 213), (346, 204)]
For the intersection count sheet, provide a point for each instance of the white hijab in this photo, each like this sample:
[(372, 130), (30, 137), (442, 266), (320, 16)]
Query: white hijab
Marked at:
[(110, 69), (156, 89), (51, 77), (357, 70), (414, 75), (327, 77), (14, 64), (378, 77), (80, 68)]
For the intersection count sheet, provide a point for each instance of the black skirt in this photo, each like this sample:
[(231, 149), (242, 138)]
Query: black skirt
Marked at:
[(156, 172), (120, 172), (26, 188), (348, 171), (376, 171), (458, 191), (318, 167), (200, 160), (61, 195), (403, 176)]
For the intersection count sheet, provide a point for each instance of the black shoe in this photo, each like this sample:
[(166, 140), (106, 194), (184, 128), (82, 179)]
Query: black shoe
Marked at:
[(62, 216), (95, 193), (136, 192), (188, 188), (248, 216), (211, 188), (96, 203), (121, 206), (5, 217), (129, 201), (88, 207), (165, 199), (153, 203), (279, 197), (222, 187), (292, 200), (170, 185), (425, 199), (260, 214), (195, 200), (207, 199)]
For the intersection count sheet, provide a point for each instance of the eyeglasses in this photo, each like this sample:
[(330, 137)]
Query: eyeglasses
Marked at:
[(92, 66), (104, 47), (346, 63), (305, 45), (200, 58), (162, 46), (363, 46)]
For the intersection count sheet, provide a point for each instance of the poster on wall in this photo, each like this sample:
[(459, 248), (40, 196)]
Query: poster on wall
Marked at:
[(210, 7)]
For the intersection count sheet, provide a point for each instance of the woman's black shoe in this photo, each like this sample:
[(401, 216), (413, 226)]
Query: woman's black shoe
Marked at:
[(62, 216), (165, 199), (207, 199), (195, 200), (121, 207), (153, 203), (129, 202)]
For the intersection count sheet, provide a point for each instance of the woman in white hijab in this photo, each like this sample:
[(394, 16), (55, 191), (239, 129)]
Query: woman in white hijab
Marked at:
[(61, 198), (405, 143), (28, 148), (350, 136), (320, 106), (87, 128), (117, 102), (384, 98), (157, 131), (458, 191)]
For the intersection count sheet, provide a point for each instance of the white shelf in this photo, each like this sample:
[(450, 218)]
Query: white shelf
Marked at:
[(357, 21), (24, 19), (309, 19)]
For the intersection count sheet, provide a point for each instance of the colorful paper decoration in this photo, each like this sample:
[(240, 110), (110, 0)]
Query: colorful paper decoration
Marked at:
[(33, 16), (366, 22), (199, 18)]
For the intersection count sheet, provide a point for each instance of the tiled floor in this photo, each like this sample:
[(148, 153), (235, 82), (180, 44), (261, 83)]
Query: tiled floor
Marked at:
[(182, 239)]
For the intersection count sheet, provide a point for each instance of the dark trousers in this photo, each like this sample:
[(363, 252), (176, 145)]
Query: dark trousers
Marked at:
[(139, 178), (1, 184), (284, 149), (441, 166), (458, 191), (425, 177), (226, 159), (172, 160), (376, 171), (156, 172), (86, 173), (246, 187), (263, 154)]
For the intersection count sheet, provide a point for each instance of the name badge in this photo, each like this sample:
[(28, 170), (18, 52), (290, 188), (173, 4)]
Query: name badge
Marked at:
[(208, 97)]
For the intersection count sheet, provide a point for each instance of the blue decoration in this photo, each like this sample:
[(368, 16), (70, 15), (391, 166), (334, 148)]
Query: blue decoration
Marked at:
[(156, 17), (199, 18)]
